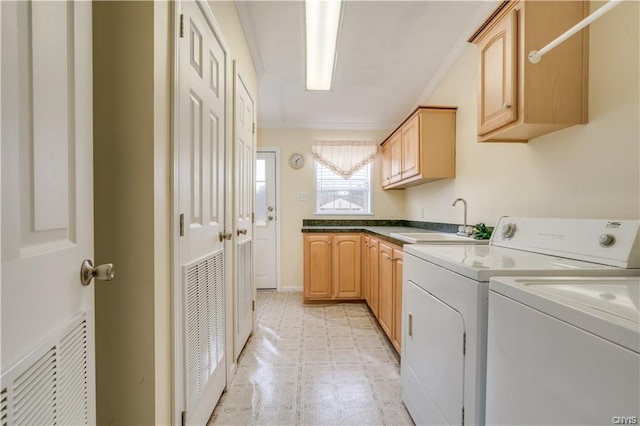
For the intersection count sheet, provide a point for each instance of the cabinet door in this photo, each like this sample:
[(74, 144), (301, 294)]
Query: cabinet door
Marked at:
[(498, 75), (395, 156), (374, 275), (411, 147), (317, 266), (346, 266), (397, 299), (386, 164), (366, 269), (385, 313)]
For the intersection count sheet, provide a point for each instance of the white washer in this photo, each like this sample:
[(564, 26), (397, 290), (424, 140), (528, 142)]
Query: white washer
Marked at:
[(563, 351), (445, 293)]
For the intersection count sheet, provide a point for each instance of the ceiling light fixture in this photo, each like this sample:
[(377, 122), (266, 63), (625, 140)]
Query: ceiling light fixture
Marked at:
[(322, 18)]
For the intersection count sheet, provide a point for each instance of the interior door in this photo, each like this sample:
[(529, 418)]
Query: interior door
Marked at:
[(266, 219), (201, 129), (48, 355), (244, 193)]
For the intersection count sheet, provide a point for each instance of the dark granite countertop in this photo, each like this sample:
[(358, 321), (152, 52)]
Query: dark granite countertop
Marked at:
[(379, 228)]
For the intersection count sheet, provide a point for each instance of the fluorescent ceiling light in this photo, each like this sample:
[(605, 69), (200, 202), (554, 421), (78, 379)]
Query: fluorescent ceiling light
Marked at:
[(322, 22)]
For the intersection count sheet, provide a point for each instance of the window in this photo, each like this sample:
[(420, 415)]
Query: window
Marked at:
[(338, 196)]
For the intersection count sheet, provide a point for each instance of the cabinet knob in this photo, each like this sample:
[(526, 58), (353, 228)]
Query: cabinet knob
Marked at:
[(506, 105)]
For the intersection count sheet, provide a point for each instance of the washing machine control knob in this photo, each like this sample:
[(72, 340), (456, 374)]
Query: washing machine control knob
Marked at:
[(509, 230), (606, 240)]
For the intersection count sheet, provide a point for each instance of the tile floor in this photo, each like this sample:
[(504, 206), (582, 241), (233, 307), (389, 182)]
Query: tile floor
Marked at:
[(314, 365)]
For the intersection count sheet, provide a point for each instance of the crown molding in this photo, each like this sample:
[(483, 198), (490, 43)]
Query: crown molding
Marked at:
[(459, 47)]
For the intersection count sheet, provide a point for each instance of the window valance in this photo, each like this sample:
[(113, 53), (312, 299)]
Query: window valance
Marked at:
[(344, 157)]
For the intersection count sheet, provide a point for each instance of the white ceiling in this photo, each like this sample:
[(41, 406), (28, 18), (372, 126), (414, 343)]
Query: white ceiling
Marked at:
[(391, 56)]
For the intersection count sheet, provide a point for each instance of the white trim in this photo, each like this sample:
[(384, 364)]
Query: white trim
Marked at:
[(455, 52), (292, 288), (250, 35), (276, 151), (328, 125)]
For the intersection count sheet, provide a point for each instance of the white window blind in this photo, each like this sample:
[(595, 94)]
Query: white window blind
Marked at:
[(339, 196)]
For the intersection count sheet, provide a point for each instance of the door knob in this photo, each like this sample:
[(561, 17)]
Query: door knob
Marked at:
[(222, 236), (270, 208), (88, 272), (242, 231), (269, 217)]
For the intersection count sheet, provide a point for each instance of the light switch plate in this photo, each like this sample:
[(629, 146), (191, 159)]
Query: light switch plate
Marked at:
[(302, 196)]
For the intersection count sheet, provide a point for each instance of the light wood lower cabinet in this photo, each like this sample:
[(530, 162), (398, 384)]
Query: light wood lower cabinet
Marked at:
[(317, 266), (390, 312), (332, 266), (354, 266), (397, 298)]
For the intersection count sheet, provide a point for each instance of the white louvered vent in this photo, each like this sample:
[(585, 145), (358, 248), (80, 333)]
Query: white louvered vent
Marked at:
[(50, 386), (73, 385), (4, 408), (34, 393), (245, 273), (204, 319)]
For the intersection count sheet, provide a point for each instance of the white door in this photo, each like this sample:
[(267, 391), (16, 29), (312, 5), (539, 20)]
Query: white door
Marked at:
[(243, 192), (266, 220), (48, 351), (201, 132)]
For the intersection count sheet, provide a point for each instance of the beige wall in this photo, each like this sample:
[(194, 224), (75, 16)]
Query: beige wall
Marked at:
[(587, 171), (132, 230), (386, 204)]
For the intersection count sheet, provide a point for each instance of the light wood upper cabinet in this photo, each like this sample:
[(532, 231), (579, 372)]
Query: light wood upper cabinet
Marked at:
[(411, 147), (422, 149), (346, 266), (498, 66), (395, 157), (318, 269), (518, 100)]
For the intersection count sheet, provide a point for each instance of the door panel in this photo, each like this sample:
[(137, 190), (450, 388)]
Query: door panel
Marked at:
[(202, 100), (47, 212), (244, 193), (266, 220), (498, 75), (346, 266), (411, 147), (385, 312), (317, 266)]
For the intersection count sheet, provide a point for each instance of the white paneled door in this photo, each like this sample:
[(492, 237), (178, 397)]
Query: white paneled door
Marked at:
[(266, 220), (200, 300), (48, 356), (243, 192)]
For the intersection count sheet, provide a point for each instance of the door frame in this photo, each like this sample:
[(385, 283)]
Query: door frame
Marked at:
[(276, 151), (177, 313)]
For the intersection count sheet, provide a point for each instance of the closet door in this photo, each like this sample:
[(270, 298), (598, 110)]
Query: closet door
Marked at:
[(202, 132), (244, 162)]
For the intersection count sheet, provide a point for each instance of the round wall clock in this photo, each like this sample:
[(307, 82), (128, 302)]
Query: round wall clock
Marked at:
[(296, 160)]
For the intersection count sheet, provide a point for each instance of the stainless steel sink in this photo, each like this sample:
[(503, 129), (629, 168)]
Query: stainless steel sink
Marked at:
[(434, 238)]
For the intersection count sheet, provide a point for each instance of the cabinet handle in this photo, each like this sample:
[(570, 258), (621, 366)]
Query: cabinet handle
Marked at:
[(506, 105), (410, 325), (387, 256)]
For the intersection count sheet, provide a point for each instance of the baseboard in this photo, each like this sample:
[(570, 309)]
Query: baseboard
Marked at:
[(291, 288)]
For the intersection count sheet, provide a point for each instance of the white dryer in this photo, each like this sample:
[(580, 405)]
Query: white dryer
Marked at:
[(563, 351), (445, 294)]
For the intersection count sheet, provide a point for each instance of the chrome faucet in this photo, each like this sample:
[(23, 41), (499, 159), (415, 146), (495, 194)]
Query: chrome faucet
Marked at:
[(466, 230)]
